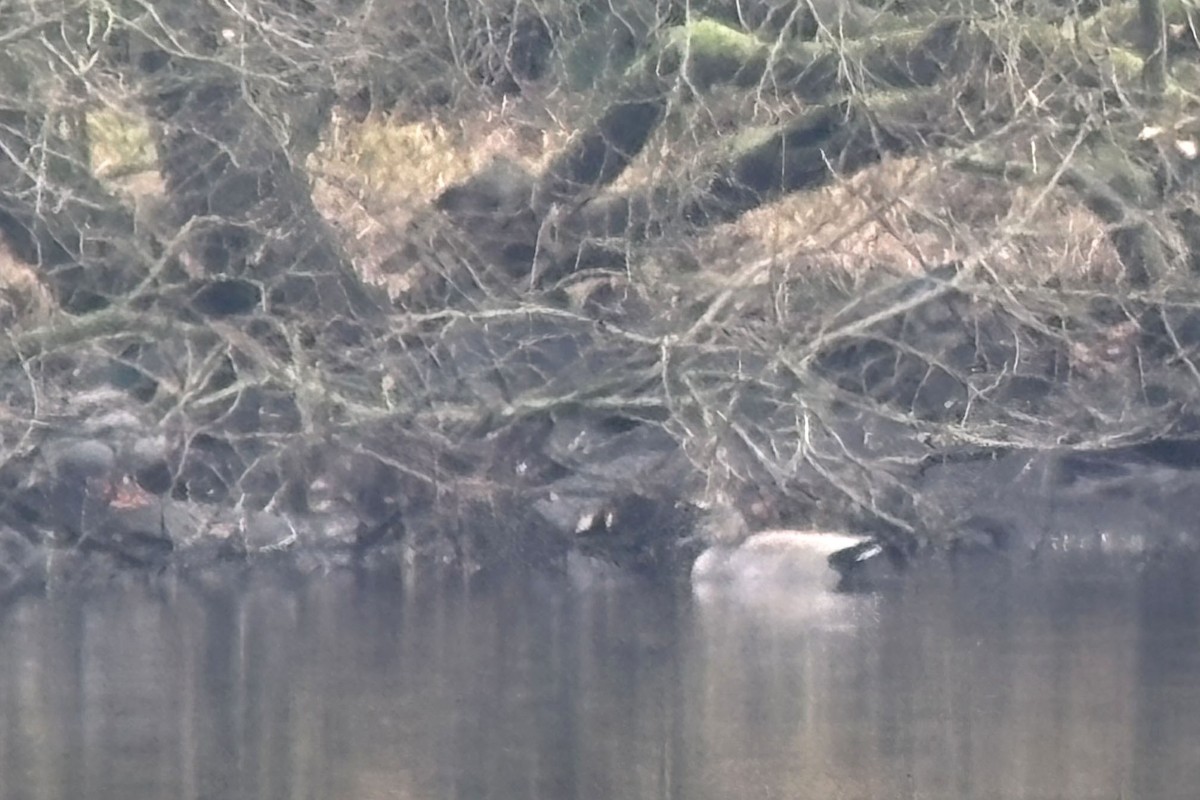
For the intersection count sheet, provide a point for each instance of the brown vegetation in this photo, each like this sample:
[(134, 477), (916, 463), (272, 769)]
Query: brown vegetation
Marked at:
[(815, 251)]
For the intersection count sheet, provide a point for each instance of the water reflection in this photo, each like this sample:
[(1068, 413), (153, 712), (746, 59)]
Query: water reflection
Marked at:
[(995, 682)]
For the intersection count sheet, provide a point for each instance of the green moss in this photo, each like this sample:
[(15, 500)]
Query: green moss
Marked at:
[(1121, 22), (1127, 68), (120, 144), (712, 52), (748, 138), (711, 40)]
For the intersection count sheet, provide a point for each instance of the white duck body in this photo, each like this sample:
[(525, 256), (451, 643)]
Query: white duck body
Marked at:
[(774, 559)]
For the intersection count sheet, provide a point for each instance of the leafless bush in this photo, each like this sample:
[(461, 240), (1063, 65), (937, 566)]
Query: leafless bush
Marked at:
[(378, 250)]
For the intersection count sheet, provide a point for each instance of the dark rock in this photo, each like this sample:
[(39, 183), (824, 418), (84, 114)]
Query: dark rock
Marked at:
[(79, 461), (1178, 453), (134, 546), (137, 535), (78, 488), (226, 297), (264, 532), (642, 534)]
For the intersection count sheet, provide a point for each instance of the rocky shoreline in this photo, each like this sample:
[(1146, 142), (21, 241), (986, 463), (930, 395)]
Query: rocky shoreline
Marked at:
[(87, 506)]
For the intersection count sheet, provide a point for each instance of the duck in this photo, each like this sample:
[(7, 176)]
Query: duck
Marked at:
[(777, 558)]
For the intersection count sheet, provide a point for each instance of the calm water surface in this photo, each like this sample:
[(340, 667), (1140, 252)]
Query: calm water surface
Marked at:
[(1079, 681)]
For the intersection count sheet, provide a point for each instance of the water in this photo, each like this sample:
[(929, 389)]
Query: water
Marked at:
[(1047, 681)]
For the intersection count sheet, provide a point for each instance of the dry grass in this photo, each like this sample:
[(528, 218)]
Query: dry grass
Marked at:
[(906, 216), (373, 178), (24, 300)]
